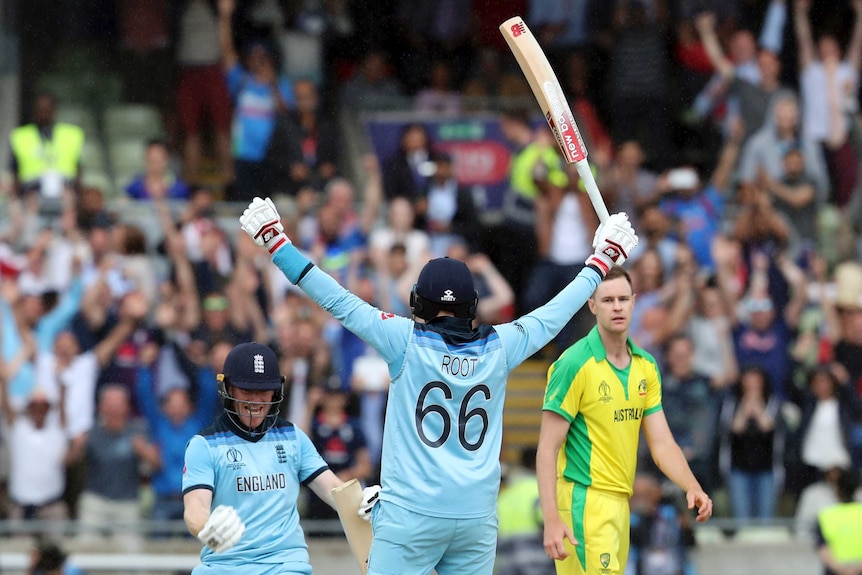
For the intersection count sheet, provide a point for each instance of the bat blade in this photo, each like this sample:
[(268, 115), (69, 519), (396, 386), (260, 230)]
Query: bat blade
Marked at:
[(552, 101), (358, 531)]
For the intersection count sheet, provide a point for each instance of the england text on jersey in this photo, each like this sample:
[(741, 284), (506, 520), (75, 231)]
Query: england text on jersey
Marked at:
[(256, 483)]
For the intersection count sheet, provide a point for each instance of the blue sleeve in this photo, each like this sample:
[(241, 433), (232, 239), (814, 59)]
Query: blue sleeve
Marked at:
[(311, 464), (179, 191), (530, 333), (54, 321), (146, 396), (198, 471), (772, 34), (286, 88), (233, 77), (135, 189), (386, 333), (10, 339), (709, 97), (716, 200), (207, 399), (749, 159)]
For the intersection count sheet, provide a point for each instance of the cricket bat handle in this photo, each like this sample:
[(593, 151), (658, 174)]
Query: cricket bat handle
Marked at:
[(586, 174)]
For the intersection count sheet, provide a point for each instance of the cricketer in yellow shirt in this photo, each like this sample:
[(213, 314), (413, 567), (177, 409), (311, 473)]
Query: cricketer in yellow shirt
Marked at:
[(600, 392)]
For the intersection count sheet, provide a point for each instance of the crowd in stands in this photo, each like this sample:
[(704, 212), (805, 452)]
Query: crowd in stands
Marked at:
[(729, 131)]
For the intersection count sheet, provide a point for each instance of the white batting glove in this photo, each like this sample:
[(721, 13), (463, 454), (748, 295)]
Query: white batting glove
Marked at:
[(222, 530), (370, 496), (613, 243), (261, 222)]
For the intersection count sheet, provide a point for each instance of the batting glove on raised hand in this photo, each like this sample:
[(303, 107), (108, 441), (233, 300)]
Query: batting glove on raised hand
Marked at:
[(222, 530), (613, 243), (261, 222), (370, 496)]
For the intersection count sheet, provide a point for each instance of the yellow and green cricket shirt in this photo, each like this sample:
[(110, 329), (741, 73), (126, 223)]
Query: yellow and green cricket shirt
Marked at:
[(604, 406)]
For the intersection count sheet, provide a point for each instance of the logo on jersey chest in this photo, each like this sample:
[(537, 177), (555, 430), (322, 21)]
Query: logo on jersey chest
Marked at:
[(234, 458), (280, 453), (605, 392), (642, 388)]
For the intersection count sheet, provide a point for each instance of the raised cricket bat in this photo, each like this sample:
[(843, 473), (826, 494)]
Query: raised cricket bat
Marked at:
[(535, 66), (358, 531)]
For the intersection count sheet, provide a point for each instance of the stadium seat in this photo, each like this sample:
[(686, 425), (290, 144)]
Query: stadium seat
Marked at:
[(95, 178), (130, 121), (110, 92), (93, 155), (127, 154), (67, 89), (79, 116), (127, 160)]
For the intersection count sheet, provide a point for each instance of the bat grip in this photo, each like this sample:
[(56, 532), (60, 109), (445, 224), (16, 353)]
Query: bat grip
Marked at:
[(592, 188)]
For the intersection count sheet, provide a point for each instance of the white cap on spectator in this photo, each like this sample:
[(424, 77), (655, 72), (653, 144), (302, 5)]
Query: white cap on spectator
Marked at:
[(848, 284)]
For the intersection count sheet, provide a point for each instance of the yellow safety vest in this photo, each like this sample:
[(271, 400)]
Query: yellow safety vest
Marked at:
[(36, 155), (523, 162), (841, 526), (518, 511)]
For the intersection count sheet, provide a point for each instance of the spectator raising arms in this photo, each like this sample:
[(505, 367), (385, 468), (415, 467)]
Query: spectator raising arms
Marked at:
[(260, 94), (172, 419), (829, 86)]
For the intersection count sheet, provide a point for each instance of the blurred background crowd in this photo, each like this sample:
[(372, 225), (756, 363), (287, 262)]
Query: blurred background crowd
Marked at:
[(729, 131)]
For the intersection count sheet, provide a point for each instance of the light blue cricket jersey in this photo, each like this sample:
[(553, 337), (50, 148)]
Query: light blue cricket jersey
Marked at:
[(260, 478), (444, 418)]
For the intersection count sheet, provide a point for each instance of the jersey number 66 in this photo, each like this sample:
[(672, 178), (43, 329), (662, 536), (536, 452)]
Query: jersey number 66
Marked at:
[(463, 415)]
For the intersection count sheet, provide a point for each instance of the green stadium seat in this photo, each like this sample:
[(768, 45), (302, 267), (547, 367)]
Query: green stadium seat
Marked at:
[(67, 89), (93, 156), (127, 155), (110, 92), (94, 178), (132, 121), (79, 116)]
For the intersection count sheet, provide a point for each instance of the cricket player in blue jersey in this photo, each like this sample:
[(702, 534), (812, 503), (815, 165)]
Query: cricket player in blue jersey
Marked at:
[(242, 475), (440, 469)]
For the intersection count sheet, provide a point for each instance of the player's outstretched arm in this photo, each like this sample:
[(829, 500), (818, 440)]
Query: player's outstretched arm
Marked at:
[(670, 459), (384, 332), (553, 433), (613, 242)]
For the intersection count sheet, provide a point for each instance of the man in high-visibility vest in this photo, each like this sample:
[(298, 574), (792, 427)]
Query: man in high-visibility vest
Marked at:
[(839, 530), (519, 527), (46, 155)]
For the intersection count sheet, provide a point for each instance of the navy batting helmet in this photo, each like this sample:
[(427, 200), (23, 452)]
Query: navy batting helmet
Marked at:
[(444, 284), (252, 367)]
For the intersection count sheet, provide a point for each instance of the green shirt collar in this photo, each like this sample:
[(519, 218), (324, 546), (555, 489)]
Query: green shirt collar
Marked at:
[(597, 348)]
